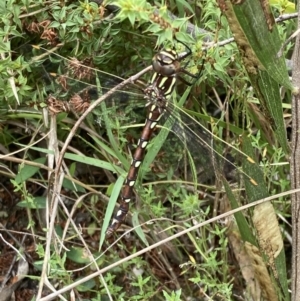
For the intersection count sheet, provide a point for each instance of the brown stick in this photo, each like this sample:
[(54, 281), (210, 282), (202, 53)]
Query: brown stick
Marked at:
[(295, 171)]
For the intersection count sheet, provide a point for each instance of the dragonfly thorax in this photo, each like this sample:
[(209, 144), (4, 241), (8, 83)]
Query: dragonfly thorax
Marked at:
[(160, 88), (154, 96)]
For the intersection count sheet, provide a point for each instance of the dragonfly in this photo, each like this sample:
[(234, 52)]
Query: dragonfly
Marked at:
[(167, 69), (156, 96)]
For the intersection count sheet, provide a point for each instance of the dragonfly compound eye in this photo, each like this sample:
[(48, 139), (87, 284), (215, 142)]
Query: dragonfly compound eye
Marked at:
[(164, 64)]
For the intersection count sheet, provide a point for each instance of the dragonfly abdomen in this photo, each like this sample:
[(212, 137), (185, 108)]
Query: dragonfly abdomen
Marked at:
[(127, 193)]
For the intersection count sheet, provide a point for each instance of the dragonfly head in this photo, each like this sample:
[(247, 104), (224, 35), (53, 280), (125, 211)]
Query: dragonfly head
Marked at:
[(166, 63)]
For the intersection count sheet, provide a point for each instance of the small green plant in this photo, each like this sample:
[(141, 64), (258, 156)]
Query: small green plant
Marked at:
[(174, 296)]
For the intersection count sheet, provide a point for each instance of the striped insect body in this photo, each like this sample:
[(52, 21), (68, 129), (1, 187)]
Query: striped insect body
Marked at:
[(166, 65)]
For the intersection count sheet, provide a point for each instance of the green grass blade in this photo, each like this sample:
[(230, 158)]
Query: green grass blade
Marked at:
[(110, 208), (245, 230), (258, 40), (94, 162), (257, 28), (138, 230)]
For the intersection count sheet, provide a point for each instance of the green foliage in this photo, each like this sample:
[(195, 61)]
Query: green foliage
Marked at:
[(174, 296), (284, 6), (134, 11), (175, 187)]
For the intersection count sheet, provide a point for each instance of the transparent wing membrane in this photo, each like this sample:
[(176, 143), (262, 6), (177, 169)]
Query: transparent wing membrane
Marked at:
[(214, 153), (77, 84)]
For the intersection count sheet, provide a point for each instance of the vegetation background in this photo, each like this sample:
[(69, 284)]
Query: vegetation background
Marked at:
[(57, 173)]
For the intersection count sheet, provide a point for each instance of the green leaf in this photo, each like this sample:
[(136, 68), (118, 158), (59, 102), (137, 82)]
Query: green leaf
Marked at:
[(78, 255), (185, 4), (82, 159), (131, 16), (72, 168), (94, 162), (28, 171), (55, 24), (92, 228), (244, 228), (257, 37), (110, 208), (39, 202), (264, 39), (284, 6), (86, 286), (138, 230), (68, 184)]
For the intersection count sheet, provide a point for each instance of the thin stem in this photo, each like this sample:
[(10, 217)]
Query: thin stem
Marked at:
[(295, 170)]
